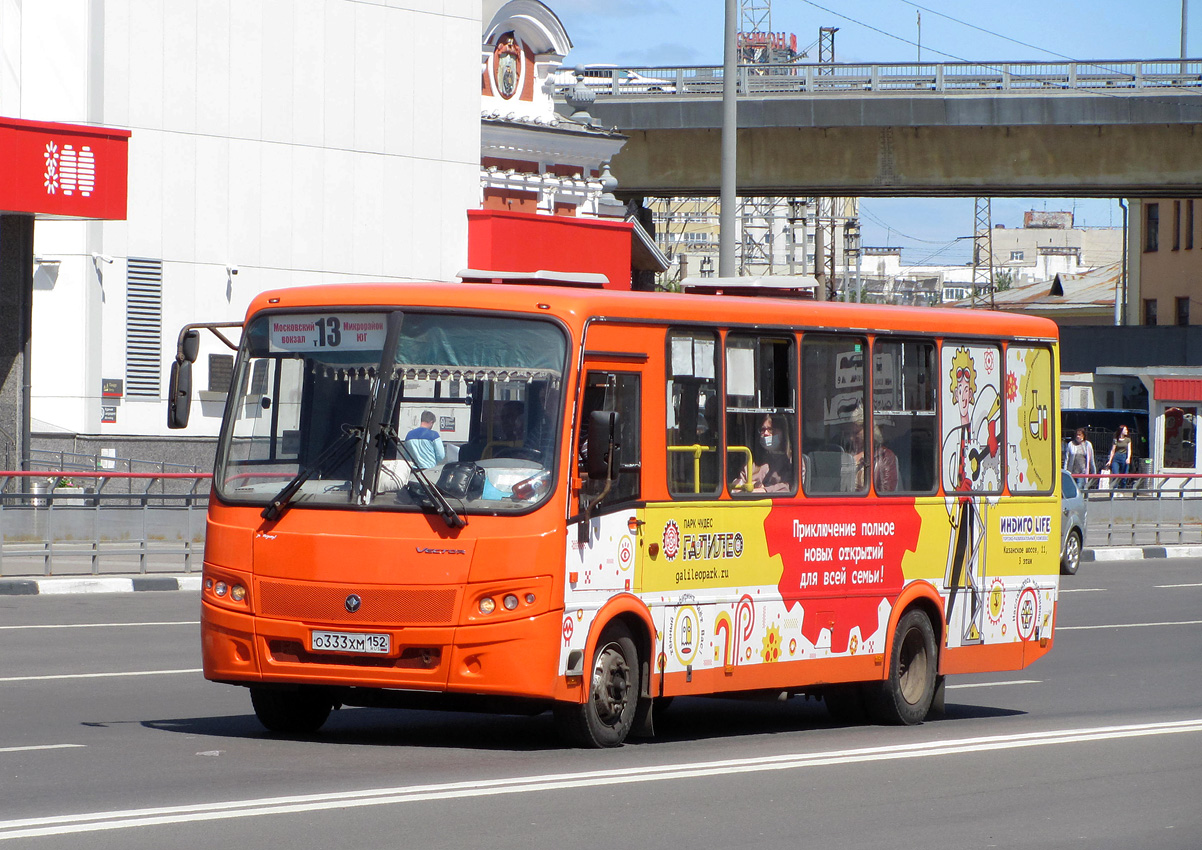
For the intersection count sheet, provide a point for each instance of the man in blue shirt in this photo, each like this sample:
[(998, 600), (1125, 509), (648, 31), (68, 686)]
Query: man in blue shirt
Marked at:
[(424, 444)]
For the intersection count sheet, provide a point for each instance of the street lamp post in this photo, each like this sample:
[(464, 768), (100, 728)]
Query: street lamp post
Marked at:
[(730, 129)]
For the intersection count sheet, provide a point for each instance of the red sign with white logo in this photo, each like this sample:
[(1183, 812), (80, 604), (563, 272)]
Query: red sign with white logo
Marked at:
[(63, 170)]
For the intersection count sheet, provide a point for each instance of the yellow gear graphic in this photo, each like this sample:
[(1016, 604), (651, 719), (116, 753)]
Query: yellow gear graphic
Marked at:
[(772, 644)]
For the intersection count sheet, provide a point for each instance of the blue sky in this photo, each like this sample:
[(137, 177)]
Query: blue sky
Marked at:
[(689, 32)]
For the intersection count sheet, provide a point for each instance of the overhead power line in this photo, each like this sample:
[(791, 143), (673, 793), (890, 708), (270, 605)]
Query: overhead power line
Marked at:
[(987, 31), (1089, 92)]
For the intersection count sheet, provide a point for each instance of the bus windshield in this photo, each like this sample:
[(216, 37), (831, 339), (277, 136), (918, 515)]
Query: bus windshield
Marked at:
[(375, 409)]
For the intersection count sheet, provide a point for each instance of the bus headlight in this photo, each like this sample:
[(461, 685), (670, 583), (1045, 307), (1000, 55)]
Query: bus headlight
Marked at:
[(229, 590), (501, 601)]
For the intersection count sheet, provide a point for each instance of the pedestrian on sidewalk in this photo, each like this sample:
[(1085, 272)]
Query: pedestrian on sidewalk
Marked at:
[(1079, 458), (1121, 456)]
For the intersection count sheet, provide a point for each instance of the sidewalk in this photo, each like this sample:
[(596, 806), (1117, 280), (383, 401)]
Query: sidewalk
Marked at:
[(55, 585), (160, 580)]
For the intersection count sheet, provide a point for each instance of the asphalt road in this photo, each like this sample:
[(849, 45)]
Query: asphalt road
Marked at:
[(110, 738)]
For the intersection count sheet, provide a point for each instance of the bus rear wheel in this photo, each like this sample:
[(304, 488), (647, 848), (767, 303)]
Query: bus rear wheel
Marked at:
[(291, 711), (607, 716), (905, 696)]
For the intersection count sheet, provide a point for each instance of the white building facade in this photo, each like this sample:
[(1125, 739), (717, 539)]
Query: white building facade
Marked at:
[(274, 144)]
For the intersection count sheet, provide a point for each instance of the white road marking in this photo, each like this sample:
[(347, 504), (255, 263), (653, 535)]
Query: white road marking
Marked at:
[(198, 812), (1167, 586), (33, 747), (996, 684), (1083, 590), (99, 625), (100, 675), (1128, 626)]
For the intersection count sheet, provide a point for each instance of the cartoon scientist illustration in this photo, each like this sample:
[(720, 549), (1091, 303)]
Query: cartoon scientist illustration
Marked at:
[(972, 464)]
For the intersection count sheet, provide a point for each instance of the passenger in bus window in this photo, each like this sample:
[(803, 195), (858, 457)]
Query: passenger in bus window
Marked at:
[(513, 422), (884, 461), (425, 444), (522, 432), (772, 458)]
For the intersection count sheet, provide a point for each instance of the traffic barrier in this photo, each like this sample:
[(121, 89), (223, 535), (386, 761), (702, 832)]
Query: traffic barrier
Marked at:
[(55, 522), (1143, 508)]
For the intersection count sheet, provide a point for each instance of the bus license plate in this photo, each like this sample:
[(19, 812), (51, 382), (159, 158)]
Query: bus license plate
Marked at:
[(371, 644)]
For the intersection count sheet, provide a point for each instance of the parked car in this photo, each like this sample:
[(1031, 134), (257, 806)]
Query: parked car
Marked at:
[(1072, 524)]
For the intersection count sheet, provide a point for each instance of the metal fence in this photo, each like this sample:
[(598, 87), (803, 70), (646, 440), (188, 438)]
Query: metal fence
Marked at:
[(1143, 509), (80, 522), (49, 461), (909, 78), (75, 522)]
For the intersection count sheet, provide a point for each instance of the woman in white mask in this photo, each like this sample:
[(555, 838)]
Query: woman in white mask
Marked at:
[(772, 464)]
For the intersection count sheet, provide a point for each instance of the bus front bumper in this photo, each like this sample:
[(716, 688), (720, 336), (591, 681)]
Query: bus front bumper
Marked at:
[(512, 658)]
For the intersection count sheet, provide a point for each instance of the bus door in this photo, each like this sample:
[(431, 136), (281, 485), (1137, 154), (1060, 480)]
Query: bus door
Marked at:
[(606, 543), (605, 527)]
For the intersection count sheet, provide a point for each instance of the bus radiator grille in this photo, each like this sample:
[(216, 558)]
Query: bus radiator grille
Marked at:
[(393, 606), (414, 658)]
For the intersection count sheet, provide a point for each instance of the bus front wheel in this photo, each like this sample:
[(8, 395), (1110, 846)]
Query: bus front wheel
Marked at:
[(299, 711), (607, 717), (905, 696)]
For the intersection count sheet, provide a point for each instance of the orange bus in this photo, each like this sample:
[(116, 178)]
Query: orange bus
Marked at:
[(521, 497)]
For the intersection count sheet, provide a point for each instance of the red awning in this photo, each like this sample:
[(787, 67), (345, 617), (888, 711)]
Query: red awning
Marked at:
[(1178, 389), (55, 170)]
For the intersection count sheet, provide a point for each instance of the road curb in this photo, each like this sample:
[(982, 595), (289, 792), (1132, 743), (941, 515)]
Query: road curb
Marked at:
[(1140, 553), (96, 584)]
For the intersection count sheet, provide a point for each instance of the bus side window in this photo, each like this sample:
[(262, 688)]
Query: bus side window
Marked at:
[(617, 391), (694, 413), (832, 406), (1033, 444), (971, 452), (903, 401), (761, 415)]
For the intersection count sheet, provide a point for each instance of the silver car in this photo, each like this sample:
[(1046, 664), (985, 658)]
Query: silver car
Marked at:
[(1072, 524)]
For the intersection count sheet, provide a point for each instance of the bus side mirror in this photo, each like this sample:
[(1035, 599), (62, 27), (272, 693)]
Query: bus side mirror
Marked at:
[(179, 393), (602, 425), (189, 345)]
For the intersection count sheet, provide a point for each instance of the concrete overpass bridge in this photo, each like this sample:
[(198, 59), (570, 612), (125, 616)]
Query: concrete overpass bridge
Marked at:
[(1054, 129)]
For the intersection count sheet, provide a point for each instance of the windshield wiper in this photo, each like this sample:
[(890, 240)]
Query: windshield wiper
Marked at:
[(384, 389), (337, 451), (449, 515)]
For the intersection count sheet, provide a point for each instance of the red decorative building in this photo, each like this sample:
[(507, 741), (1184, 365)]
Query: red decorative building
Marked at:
[(546, 194)]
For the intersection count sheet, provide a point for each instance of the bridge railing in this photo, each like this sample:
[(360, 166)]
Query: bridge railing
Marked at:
[(937, 78), (73, 522), (1143, 509)]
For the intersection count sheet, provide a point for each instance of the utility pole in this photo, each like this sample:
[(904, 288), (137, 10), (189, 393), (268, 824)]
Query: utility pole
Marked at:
[(826, 47), (982, 252), (730, 131), (1184, 17)]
